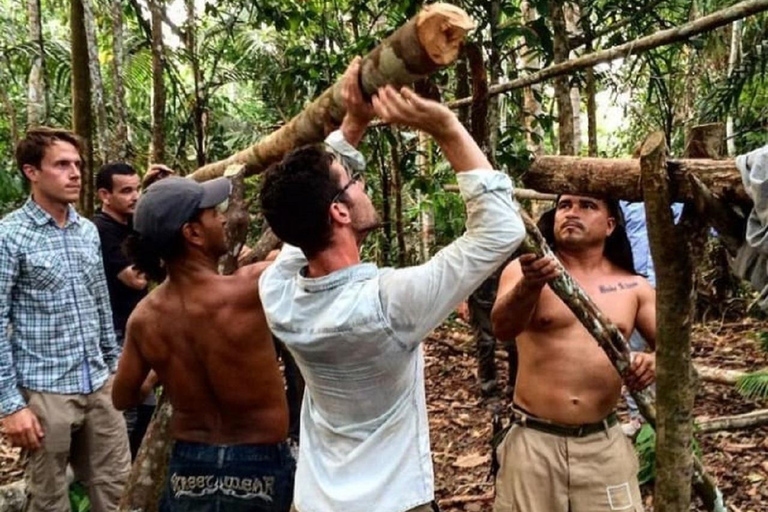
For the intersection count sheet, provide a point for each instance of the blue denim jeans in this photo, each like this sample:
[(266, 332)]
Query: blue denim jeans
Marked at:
[(240, 478)]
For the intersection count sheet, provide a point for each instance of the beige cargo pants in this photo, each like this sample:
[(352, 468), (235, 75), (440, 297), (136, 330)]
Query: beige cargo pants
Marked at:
[(87, 432), (541, 472)]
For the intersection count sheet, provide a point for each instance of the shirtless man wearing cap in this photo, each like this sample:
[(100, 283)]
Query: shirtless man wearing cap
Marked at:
[(205, 336), (565, 451)]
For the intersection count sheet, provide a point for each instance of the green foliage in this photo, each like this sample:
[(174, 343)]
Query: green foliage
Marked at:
[(754, 385), (78, 498), (645, 446)]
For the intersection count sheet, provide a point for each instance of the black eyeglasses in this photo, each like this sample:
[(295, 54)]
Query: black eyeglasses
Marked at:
[(358, 176)]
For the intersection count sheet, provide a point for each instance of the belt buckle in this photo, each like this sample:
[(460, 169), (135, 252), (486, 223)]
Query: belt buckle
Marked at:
[(580, 431)]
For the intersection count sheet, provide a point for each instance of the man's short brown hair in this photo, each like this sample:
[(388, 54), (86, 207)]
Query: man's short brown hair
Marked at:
[(31, 149)]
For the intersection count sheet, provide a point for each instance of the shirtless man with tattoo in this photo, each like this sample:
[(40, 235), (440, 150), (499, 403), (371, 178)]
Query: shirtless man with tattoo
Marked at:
[(206, 337), (565, 451)]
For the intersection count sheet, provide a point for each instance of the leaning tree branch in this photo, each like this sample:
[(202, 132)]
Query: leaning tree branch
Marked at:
[(429, 41), (673, 35)]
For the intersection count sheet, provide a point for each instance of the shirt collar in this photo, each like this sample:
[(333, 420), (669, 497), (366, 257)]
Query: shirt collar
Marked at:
[(359, 272), (42, 217)]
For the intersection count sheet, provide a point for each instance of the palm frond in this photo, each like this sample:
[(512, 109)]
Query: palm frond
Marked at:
[(754, 385)]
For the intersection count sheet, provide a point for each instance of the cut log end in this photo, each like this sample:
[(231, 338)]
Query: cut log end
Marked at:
[(654, 142), (441, 30)]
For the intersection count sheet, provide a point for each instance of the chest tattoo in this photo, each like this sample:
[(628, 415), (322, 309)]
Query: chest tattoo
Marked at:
[(610, 288)]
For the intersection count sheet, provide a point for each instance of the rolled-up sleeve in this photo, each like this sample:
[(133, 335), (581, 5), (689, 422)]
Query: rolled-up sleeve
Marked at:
[(417, 299)]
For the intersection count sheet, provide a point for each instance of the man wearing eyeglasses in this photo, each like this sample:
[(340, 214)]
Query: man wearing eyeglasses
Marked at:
[(206, 338), (355, 330)]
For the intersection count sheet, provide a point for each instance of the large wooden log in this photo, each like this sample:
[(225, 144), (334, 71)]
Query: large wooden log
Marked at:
[(429, 41), (620, 177)]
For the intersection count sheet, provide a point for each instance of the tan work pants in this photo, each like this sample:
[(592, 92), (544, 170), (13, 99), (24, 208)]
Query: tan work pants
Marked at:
[(421, 508), (86, 431), (541, 472)]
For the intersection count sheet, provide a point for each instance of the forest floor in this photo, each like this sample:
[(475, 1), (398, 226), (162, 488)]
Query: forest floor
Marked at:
[(460, 420)]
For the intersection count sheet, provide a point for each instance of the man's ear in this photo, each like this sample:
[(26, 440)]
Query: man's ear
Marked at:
[(30, 172), (192, 233), (103, 195), (339, 212), (611, 225)]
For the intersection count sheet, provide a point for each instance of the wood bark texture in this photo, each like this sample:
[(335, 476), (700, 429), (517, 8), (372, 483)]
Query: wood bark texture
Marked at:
[(562, 88), (148, 473), (684, 32), (237, 219), (674, 377), (82, 117), (120, 140), (428, 41), (534, 133), (158, 84), (97, 84), (719, 375), (705, 141), (36, 92), (620, 177)]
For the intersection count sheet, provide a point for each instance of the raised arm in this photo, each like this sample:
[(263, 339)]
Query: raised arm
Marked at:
[(418, 299), (519, 291)]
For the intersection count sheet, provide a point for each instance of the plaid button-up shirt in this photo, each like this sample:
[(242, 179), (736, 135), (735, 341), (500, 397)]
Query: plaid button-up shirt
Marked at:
[(56, 331)]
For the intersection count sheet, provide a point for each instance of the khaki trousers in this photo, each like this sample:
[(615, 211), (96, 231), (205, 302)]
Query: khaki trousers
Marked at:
[(427, 507), (541, 472), (87, 432)]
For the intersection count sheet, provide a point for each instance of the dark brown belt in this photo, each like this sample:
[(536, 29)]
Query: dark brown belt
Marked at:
[(525, 419)]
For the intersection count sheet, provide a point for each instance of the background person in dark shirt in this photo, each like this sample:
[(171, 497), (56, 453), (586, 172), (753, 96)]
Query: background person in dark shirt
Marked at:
[(118, 189)]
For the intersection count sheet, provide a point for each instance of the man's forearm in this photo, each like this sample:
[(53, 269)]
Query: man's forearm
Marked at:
[(512, 312), (460, 149)]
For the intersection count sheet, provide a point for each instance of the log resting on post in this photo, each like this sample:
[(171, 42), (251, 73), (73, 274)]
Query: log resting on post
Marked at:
[(620, 178), (429, 41)]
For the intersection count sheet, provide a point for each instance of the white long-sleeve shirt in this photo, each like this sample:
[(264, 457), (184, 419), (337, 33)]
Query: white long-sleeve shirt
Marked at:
[(356, 335)]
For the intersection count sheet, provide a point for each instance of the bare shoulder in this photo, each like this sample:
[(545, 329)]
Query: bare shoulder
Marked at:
[(510, 276), (252, 271)]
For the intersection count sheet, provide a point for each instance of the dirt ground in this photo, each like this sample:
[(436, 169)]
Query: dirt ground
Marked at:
[(460, 420)]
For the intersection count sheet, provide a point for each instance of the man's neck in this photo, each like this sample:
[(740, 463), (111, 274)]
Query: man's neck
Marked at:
[(583, 260), (192, 268), (118, 217), (59, 211), (339, 255)]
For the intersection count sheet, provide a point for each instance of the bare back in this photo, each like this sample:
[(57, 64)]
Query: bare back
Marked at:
[(563, 374), (212, 350)]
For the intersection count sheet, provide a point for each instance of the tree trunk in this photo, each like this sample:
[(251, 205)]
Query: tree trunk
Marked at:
[(479, 126), (198, 108), (495, 103), (120, 141), (591, 88), (429, 41), (462, 87), (705, 141), (397, 178), (734, 59), (10, 112), (674, 375), (740, 421), (36, 94), (237, 220), (157, 153), (562, 87), (82, 117), (534, 133), (665, 37), (386, 207), (148, 473), (573, 27), (426, 211), (97, 85), (620, 177)]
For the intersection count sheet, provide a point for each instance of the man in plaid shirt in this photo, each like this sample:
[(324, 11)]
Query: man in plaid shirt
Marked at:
[(57, 343)]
